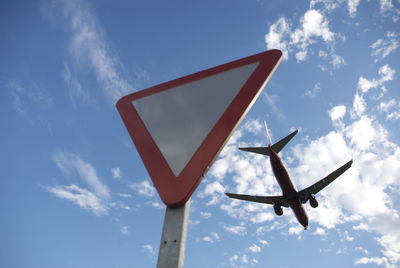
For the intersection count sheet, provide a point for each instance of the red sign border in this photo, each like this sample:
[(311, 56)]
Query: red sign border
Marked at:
[(175, 191)]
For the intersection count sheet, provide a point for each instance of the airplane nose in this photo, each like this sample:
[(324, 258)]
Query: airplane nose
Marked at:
[(304, 222), (303, 219)]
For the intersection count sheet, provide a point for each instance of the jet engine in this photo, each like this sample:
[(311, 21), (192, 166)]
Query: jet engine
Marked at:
[(313, 202), (278, 210)]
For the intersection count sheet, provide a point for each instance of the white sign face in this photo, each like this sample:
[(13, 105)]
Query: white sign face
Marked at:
[(179, 119)]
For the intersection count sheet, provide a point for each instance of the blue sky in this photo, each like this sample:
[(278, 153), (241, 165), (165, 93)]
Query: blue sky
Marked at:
[(74, 192)]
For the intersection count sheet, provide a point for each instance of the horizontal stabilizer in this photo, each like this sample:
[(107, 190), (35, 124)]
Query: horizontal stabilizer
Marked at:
[(256, 150), (277, 147)]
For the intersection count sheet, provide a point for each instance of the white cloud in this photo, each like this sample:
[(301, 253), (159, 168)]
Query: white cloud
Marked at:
[(70, 164), (119, 205), (242, 260), (143, 188), (275, 38), (30, 101), (238, 230), (295, 230), (262, 217), (156, 205), (89, 48), (314, 27), (383, 47), (314, 24), (329, 5), (385, 5), (254, 126), (352, 7), (124, 230), (213, 237), (320, 231), (17, 91), (77, 92), (116, 173), (254, 248), (337, 61), (205, 215), (374, 260), (272, 100), (337, 112), (149, 249), (359, 105), (124, 195), (348, 237), (314, 91), (82, 197), (391, 108), (386, 74), (365, 85), (362, 133), (214, 190)]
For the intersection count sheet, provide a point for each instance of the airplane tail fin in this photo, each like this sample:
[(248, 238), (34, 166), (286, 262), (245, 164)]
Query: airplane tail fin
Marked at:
[(277, 147)]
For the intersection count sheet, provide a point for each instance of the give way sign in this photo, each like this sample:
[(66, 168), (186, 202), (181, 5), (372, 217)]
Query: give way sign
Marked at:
[(180, 126)]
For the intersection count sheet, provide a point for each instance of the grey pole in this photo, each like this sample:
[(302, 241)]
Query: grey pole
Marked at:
[(173, 238)]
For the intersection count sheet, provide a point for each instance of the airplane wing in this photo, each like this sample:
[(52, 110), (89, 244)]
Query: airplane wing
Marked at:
[(318, 186), (272, 200), (277, 147)]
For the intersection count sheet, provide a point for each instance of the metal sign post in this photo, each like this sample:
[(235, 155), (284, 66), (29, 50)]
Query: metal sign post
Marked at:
[(173, 238)]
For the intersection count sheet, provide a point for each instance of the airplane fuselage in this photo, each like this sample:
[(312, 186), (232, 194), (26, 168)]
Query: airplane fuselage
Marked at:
[(289, 192)]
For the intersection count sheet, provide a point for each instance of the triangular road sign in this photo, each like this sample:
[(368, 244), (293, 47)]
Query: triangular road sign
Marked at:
[(180, 126)]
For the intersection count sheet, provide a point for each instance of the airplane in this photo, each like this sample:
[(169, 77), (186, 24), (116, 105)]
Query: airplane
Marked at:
[(290, 196)]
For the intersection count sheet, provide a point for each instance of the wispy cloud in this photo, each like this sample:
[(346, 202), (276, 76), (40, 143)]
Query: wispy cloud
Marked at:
[(352, 7), (255, 249), (205, 215), (143, 188), (16, 93), (383, 47), (73, 166), (89, 48), (213, 237), (124, 195), (319, 231), (238, 230), (272, 100), (312, 93), (116, 173), (391, 108), (30, 101), (149, 249), (386, 74), (81, 197), (373, 260), (239, 259), (124, 230)]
